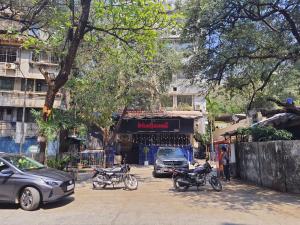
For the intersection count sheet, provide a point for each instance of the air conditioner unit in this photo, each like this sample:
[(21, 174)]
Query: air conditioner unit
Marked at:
[(10, 66), (198, 108)]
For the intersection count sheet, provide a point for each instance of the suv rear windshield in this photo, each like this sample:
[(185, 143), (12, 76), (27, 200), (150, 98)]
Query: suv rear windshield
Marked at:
[(170, 152), (23, 163)]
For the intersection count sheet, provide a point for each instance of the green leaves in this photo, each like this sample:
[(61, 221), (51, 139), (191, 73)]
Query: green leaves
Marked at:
[(245, 45), (259, 133), (135, 23), (59, 120)]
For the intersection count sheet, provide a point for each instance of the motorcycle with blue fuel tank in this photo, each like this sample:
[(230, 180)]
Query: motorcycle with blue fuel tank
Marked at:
[(183, 179)]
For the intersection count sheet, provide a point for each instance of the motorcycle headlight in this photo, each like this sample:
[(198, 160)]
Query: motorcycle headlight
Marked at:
[(185, 163), (52, 182)]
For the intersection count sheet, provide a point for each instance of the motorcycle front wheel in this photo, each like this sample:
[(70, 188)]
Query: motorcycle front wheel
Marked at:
[(131, 183), (180, 184), (216, 183)]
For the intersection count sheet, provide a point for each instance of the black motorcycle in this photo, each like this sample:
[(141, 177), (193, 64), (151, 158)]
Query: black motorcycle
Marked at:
[(183, 179), (113, 176)]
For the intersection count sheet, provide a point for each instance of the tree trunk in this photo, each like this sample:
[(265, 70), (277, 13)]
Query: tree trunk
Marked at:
[(108, 145), (49, 101), (42, 153), (63, 145), (66, 66)]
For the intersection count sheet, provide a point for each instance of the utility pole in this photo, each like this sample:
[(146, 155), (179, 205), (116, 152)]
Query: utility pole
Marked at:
[(23, 112), (212, 139), (23, 119)]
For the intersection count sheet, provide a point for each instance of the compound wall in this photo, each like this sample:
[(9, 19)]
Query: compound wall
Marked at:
[(274, 164)]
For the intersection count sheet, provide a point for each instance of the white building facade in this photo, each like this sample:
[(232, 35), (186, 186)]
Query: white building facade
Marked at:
[(16, 66)]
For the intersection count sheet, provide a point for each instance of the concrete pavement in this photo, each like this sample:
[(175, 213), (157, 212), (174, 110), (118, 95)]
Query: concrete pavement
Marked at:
[(155, 202)]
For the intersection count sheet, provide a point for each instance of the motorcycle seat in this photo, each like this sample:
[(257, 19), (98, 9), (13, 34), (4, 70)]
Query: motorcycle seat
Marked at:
[(112, 170)]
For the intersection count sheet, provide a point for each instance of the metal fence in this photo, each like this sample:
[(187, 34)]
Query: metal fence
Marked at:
[(92, 158)]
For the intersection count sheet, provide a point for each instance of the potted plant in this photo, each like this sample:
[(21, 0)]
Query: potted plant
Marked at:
[(146, 150)]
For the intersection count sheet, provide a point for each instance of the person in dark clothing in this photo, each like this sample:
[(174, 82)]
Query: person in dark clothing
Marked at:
[(225, 160)]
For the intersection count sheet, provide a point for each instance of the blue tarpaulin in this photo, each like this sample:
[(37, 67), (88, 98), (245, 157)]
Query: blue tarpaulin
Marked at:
[(8, 144), (152, 150)]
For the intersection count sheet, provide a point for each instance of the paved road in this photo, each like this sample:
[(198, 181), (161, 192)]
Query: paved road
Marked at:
[(155, 202)]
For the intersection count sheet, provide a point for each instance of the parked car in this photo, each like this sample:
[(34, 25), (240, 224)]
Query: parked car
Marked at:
[(29, 183), (168, 158)]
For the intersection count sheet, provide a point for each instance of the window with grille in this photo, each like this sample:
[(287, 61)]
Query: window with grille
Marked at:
[(41, 86), (54, 58), (166, 101), (30, 85), (1, 113), (35, 56), (7, 83), (8, 54), (29, 118), (185, 102), (45, 57), (19, 114)]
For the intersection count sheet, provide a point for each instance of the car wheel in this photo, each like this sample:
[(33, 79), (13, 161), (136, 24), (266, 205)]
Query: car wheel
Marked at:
[(30, 199), (155, 175)]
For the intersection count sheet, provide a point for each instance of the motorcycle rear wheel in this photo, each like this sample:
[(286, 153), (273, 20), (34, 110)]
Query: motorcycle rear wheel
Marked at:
[(179, 185), (216, 183), (131, 183)]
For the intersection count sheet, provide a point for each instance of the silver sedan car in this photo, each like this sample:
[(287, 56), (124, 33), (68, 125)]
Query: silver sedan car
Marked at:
[(28, 183)]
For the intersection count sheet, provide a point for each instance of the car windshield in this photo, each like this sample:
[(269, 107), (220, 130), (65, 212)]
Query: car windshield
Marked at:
[(170, 152), (24, 163)]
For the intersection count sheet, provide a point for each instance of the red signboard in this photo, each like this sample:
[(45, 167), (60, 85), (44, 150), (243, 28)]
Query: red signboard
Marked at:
[(156, 125), (152, 125)]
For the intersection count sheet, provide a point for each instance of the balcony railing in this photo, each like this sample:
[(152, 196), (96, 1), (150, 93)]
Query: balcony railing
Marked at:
[(7, 129), (33, 99), (9, 70), (14, 129)]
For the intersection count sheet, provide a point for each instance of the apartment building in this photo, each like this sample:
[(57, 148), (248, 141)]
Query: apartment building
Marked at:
[(18, 65), (184, 95)]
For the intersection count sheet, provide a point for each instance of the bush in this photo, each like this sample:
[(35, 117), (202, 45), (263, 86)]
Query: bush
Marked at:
[(59, 164), (259, 133)]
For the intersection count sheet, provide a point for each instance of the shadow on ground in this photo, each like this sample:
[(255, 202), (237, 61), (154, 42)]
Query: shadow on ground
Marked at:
[(8, 206), (61, 203), (238, 196)]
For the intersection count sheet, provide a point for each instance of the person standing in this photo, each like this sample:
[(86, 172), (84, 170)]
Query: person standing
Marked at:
[(225, 160)]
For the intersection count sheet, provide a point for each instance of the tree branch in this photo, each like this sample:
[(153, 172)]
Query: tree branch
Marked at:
[(90, 28), (68, 61), (289, 108), (291, 23), (46, 75)]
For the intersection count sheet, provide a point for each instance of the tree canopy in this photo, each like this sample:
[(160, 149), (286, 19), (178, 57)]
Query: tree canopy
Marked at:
[(63, 27), (67, 27), (244, 45), (109, 80)]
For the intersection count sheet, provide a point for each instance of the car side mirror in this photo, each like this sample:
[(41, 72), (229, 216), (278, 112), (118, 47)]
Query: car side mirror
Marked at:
[(7, 172)]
